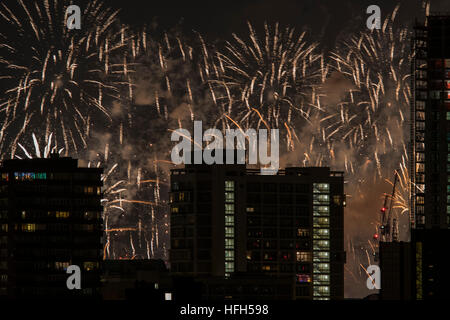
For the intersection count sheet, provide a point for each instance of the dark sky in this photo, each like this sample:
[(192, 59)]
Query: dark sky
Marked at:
[(326, 19)]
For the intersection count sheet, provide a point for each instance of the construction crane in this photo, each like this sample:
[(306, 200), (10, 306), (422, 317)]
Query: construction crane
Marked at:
[(388, 231)]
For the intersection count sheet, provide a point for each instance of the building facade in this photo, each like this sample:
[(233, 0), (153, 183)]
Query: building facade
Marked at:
[(396, 271), (430, 130), (430, 156), (228, 220), (50, 218)]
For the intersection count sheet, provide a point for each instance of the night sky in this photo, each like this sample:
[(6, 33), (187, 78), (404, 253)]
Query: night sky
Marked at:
[(327, 22), (325, 19)]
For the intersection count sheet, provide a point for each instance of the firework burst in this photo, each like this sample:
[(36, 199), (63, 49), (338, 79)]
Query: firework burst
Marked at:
[(372, 115), (265, 82), (54, 78)]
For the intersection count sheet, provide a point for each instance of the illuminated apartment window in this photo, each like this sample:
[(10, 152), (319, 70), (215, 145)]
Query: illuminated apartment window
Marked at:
[(229, 243), (321, 222), (321, 279), (229, 255), (4, 227), (321, 267), (229, 220), (174, 209), (29, 227), (321, 199), (321, 233), (229, 186), (321, 290), (62, 214), (303, 278), (250, 209), (266, 268), (89, 190), (303, 256), (229, 196), (229, 228), (229, 208), (61, 265), (229, 267), (229, 232), (302, 232), (321, 256), (322, 245), (5, 176)]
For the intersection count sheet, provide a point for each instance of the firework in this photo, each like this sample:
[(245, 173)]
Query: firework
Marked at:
[(267, 81), (56, 79), (371, 115)]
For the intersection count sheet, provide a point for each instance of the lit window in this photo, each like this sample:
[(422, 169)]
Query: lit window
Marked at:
[(61, 265), (229, 232), (174, 209), (322, 245), (321, 233), (29, 227), (303, 256), (266, 268), (303, 278), (229, 266), (229, 196), (322, 256), (229, 220), (4, 278), (250, 209), (229, 185), (302, 232), (321, 278), (89, 190), (62, 214), (229, 243), (229, 254), (229, 208), (321, 267)]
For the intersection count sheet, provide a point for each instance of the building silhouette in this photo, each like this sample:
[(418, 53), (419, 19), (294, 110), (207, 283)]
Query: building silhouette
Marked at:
[(233, 227), (424, 259), (430, 130), (50, 218), (396, 271)]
